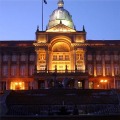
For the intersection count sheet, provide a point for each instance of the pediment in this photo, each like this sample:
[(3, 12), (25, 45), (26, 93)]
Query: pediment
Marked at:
[(60, 28)]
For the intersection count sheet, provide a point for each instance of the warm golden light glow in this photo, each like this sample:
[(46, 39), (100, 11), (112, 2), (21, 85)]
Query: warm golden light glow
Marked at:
[(17, 85), (103, 81), (98, 85)]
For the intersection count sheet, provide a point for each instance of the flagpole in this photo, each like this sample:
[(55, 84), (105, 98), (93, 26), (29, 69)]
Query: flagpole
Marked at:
[(42, 15)]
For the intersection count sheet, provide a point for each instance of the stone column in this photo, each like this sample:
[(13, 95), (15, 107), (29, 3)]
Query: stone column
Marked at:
[(94, 59), (18, 65), (76, 84), (86, 84), (27, 66), (103, 64), (112, 64), (46, 84), (72, 60), (7, 85), (50, 60), (9, 65), (47, 60)]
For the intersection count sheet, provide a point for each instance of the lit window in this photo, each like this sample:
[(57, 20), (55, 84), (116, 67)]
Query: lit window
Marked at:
[(5, 58), (32, 57), (31, 70), (61, 67), (79, 67), (42, 67), (66, 57), (90, 69), (22, 70), (89, 57), (5, 70), (81, 56), (77, 56), (22, 57), (13, 70), (54, 57), (108, 70), (116, 57), (98, 57), (42, 56), (61, 57), (14, 57), (116, 70), (107, 57), (99, 70), (79, 85), (90, 85)]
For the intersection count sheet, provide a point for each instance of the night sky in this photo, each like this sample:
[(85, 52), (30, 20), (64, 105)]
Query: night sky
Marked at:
[(19, 18)]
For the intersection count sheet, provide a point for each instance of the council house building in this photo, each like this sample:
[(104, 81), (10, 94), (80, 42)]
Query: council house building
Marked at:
[(60, 57)]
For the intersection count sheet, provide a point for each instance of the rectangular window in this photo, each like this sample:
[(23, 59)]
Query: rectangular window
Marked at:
[(107, 57), (81, 56), (89, 57), (5, 70), (42, 56), (116, 70), (32, 57), (99, 70), (66, 57), (61, 57), (77, 56), (80, 85), (22, 70), (91, 85), (54, 57), (90, 69), (22, 57), (116, 57), (107, 70), (13, 70), (42, 67), (31, 70), (98, 57), (5, 58), (14, 57)]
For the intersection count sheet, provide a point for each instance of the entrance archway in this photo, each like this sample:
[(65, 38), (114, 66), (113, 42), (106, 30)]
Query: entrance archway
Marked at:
[(17, 85)]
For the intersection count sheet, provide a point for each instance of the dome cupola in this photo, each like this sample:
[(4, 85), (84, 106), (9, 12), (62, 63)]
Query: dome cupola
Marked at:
[(60, 15)]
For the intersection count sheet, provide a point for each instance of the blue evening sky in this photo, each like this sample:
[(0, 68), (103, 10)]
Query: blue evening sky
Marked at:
[(19, 18)]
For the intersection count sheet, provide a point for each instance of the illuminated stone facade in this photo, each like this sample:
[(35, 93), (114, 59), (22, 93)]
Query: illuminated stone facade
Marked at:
[(60, 57)]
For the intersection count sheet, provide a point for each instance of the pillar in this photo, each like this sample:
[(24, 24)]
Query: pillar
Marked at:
[(112, 65), (7, 85), (94, 59), (103, 64), (86, 86), (46, 84), (76, 84)]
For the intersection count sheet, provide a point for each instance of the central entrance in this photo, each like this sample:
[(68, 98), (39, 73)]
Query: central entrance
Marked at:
[(61, 57)]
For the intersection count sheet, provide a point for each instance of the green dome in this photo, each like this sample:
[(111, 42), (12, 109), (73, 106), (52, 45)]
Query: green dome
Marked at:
[(60, 15)]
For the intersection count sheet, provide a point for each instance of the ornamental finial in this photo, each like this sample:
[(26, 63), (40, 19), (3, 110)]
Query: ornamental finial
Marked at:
[(60, 3)]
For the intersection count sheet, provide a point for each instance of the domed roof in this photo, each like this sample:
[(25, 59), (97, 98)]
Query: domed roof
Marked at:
[(60, 15)]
